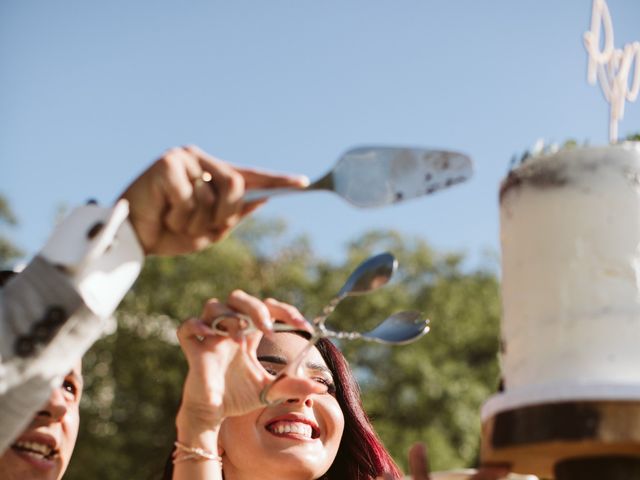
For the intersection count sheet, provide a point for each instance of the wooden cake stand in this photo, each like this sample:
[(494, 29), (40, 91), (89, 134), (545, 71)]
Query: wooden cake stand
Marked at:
[(586, 440)]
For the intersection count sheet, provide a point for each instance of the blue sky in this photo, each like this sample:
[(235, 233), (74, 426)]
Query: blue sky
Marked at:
[(92, 92)]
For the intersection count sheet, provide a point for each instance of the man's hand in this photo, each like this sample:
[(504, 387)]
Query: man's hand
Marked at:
[(419, 468), (188, 199)]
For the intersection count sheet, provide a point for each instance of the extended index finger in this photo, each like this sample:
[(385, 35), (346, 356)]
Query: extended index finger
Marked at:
[(255, 178), (418, 462)]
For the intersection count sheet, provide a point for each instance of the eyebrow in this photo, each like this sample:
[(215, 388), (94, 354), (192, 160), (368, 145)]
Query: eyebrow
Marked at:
[(278, 360)]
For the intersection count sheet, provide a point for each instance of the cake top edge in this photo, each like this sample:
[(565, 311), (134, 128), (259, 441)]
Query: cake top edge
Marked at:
[(540, 150), (553, 166)]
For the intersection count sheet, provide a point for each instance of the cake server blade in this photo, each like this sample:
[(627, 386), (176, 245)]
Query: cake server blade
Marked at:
[(375, 176)]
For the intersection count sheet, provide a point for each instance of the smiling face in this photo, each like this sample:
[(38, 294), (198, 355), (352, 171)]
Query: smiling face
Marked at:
[(296, 439), (43, 450)]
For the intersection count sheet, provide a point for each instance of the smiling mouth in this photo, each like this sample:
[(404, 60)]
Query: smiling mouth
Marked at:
[(40, 451), (293, 429)]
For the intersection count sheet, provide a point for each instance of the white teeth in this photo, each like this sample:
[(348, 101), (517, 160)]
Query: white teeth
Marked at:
[(292, 427), (34, 447)]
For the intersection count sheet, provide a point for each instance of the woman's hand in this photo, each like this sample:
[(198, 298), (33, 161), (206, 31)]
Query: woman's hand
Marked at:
[(225, 378)]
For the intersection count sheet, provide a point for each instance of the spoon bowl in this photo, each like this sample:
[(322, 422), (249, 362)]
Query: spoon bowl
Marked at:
[(399, 328), (370, 275)]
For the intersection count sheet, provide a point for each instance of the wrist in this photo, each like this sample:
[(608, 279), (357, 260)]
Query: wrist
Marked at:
[(195, 425)]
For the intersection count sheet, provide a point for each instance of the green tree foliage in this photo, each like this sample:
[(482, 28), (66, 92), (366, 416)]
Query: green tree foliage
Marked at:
[(8, 251), (429, 391)]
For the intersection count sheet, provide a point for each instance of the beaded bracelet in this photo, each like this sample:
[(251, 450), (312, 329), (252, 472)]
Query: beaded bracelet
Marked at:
[(184, 453)]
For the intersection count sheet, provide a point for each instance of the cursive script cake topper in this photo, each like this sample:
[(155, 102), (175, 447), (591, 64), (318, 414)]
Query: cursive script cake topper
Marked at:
[(610, 66)]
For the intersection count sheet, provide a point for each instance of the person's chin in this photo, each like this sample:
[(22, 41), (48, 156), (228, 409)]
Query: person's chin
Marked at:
[(305, 457)]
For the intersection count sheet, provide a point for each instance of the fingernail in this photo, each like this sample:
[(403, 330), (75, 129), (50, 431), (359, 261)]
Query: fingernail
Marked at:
[(303, 180), (304, 323), (268, 324)]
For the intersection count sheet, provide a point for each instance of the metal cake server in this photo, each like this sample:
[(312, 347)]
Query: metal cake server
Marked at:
[(372, 176)]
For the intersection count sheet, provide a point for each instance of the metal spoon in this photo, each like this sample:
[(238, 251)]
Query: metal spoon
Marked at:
[(371, 274), (397, 329), (372, 176)]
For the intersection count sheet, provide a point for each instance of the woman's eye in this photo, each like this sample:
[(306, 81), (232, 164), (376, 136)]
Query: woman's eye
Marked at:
[(270, 370), (70, 387), (331, 387)]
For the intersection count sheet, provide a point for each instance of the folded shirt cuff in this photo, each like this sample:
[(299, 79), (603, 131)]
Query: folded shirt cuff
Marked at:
[(98, 249)]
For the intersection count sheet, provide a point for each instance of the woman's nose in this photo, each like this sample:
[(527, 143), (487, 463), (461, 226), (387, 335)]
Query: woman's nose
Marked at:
[(307, 401), (56, 406)]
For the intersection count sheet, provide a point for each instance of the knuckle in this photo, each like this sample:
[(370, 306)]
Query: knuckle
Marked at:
[(236, 183), (237, 293), (210, 306), (191, 148), (212, 302), (170, 157), (206, 198), (263, 310)]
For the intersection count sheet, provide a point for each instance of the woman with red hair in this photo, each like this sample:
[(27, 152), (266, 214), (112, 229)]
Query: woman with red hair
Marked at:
[(318, 431)]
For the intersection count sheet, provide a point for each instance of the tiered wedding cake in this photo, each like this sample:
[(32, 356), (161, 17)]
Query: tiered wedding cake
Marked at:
[(570, 235)]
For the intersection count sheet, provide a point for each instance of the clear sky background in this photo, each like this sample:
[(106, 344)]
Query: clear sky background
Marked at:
[(91, 92)]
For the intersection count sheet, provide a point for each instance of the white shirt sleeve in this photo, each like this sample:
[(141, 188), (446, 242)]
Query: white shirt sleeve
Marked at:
[(53, 311)]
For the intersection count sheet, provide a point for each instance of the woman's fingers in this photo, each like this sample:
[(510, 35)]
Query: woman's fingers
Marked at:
[(234, 325), (254, 308), (225, 318), (195, 336), (288, 314), (194, 327)]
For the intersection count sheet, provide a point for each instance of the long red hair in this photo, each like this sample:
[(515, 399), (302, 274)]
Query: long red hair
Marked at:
[(361, 455)]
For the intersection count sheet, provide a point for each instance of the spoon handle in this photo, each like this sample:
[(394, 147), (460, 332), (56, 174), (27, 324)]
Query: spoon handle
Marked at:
[(264, 193)]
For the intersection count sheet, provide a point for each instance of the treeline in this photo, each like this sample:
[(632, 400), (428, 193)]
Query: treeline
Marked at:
[(429, 391)]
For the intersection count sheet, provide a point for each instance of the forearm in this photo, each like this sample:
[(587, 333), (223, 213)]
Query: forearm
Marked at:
[(54, 310)]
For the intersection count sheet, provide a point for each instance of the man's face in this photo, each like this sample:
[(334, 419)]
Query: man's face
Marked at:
[(43, 450)]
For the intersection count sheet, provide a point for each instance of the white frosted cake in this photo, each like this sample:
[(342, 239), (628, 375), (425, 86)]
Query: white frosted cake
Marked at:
[(570, 237)]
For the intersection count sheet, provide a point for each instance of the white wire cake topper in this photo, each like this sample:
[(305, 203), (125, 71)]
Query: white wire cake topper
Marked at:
[(611, 67)]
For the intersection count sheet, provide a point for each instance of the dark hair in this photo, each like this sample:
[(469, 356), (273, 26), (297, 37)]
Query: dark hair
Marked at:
[(361, 454)]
